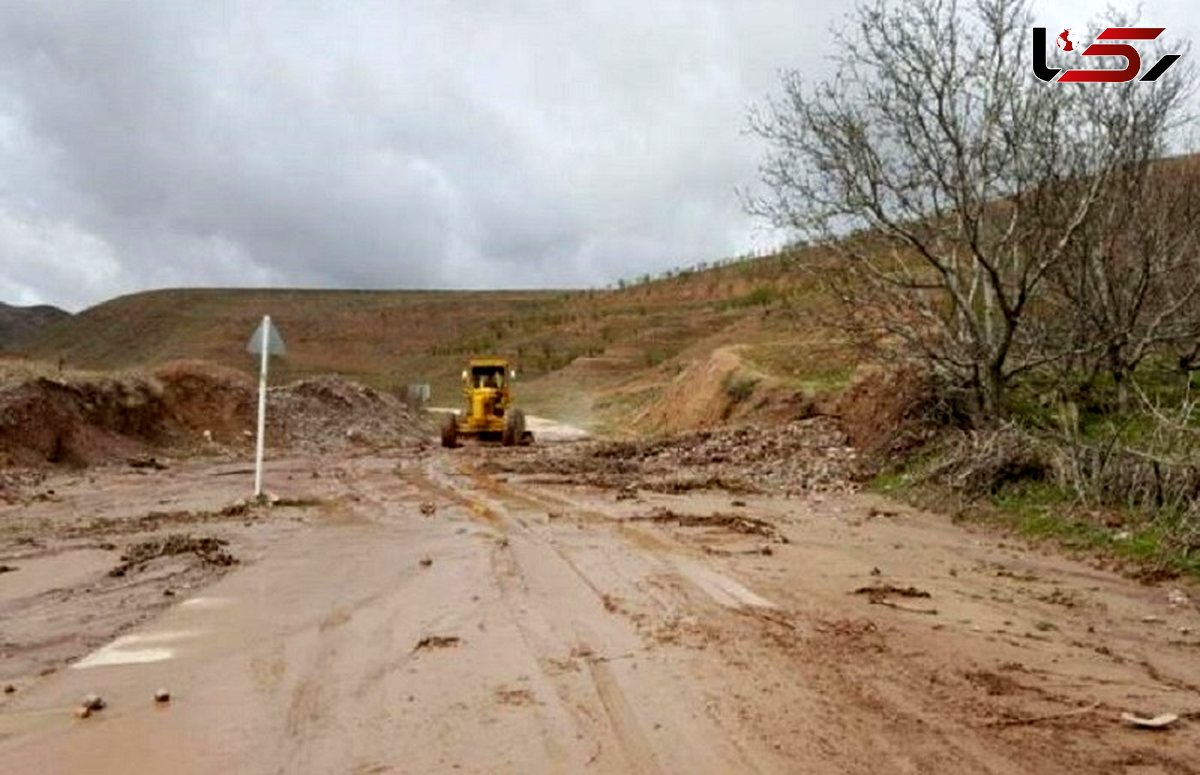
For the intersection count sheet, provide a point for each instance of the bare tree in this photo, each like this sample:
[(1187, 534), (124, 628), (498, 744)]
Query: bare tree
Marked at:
[(947, 181)]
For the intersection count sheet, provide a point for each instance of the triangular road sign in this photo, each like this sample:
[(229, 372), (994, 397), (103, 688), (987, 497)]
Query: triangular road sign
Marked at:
[(275, 345)]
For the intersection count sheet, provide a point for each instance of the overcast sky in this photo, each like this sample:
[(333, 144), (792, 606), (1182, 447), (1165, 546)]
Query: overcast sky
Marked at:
[(390, 145)]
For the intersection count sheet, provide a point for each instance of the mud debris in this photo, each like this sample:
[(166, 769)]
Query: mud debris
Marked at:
[(518, 697), (90, 704), (994, 684), (142, 462), (881, 594), (210, 550), (93, 702), (437, 642), (805, 456), (160, 520), (734, 523), (880, 591)]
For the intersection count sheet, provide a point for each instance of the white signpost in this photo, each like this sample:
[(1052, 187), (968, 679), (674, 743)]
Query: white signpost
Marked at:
[(265, 342)]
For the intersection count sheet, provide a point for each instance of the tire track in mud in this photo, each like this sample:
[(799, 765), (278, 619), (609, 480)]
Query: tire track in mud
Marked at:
[(752, 629), (597, 704), (555, 647), (605, 684), (850, 701)]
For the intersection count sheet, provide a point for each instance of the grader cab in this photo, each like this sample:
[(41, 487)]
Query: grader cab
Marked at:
[(488, 414)]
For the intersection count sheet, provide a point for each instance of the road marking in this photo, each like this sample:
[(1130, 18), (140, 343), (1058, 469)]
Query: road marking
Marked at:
[(135, 649), (206, 602)]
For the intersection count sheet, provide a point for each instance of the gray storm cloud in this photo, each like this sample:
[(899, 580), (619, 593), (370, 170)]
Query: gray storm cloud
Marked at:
[(404, 144), (393, 145)]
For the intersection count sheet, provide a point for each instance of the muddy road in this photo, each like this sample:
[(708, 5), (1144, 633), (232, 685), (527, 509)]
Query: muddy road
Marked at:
[(419, 612)]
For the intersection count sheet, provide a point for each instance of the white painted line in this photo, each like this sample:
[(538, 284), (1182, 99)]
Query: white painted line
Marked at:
[(206, 602), (107, 656), (135, 649)]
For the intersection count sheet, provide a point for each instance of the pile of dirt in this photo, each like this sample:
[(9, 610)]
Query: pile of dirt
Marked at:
[(181, 408), (327, 413), (205, 397), (74, 420), (804, 456)]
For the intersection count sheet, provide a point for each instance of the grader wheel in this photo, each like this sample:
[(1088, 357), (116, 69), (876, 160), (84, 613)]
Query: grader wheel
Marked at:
[(514, 428)]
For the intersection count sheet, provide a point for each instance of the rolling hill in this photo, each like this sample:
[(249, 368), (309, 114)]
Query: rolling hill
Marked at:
[(20, 325), (744, 333)]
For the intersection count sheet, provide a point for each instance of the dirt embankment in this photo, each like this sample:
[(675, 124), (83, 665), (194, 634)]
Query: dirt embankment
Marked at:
[(880, 409), (184, 407)]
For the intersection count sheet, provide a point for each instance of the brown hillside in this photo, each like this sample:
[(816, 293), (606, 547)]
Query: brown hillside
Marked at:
[(584, 355), (20, 325)]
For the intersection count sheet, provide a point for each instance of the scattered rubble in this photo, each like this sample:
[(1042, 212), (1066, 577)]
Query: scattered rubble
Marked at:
[(328, 413), (805, 456)]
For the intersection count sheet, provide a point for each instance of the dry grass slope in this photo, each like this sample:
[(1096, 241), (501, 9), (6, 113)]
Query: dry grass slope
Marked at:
[(586, 356)]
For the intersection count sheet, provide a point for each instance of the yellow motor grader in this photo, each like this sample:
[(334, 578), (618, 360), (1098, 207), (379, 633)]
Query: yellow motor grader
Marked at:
[(489, 413)]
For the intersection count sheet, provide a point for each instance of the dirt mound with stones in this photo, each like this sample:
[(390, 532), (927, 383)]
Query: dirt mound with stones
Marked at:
[(326, 413), (805, 456), (205, 397), (182, 408)]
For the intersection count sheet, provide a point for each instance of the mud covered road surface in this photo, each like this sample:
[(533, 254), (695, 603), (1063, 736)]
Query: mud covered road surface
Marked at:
[(416, 613)]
